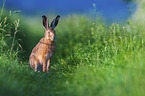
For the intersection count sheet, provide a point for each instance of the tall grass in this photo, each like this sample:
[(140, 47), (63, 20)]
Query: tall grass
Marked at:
[(90, 59), (8, 30)]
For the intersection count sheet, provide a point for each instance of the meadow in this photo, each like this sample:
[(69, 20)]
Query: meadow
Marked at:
[(91, 58)]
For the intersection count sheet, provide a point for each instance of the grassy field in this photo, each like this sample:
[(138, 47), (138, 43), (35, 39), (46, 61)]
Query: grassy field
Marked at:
[(91, 59)]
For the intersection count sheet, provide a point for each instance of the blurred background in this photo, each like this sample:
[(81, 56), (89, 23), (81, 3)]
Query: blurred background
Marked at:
[(99, 47), (108, 11), (111, 10)]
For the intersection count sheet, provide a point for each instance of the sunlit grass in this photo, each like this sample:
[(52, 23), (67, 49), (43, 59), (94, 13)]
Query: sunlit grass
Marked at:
[(91, 59)]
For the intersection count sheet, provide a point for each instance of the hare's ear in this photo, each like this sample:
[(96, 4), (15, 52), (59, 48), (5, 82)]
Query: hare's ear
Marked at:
[(55, 21), (45, 22)]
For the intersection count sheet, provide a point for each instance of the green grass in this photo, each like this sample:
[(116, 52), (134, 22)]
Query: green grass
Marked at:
[(91, 59)]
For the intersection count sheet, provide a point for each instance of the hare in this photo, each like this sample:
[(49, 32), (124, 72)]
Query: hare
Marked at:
[(42, 52)]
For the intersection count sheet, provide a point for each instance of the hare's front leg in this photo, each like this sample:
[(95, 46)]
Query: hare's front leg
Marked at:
[(48, 63), (44, 65)]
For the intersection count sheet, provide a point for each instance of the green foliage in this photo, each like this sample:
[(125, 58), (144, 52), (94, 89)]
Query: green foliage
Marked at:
[(138, 15), (91, 59), (8, 30)]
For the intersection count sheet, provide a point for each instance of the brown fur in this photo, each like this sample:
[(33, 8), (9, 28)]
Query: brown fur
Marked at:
[(42, 52)]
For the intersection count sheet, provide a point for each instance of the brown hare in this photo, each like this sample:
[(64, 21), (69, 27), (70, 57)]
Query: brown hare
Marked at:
[(42, 52)]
